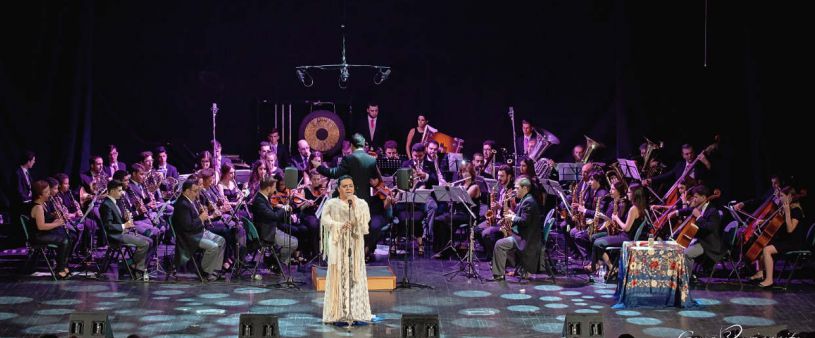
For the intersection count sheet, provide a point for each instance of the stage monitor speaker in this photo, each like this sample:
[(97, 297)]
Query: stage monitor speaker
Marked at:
[(579, 325), (290, 177), (403, 178), (257, 325), (420, 326), (89, 324)]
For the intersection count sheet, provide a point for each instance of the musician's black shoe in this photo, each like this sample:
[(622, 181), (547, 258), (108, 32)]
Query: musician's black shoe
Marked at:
[(496, 278)]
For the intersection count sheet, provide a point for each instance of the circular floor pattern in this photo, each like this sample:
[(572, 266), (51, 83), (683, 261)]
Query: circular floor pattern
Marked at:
[(231, 303), (157, 318), (479, 311), (707, 301), (571, 293), (523, 308), (7, 315), (250, 290), (556, 306), (749, 321), (63, 302), (278, 302), (472, 293), (14, 300), (86, 288), (550, 298), (586, 311), (643, 321), (551, 328), (213, 295), (666, 332), (46, 329), (473, 323), (696, 314), (54, 312), (515, 296), (548, 288), (168, 292), (111, 294), (753, 301)]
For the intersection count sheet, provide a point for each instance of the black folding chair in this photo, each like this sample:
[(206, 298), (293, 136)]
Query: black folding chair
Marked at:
[(798, 257), (179, 246), (34, 248), (253, 235), (121, 252)]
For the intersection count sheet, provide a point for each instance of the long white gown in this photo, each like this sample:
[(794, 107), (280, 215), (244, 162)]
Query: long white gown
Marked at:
[(345, 300)]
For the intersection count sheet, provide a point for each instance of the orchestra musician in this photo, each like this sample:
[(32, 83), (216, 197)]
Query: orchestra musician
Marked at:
[(203, 161), (708, 239), (47, 228), (218, 159), (113, 161), (145, 206), (23, 179), (438, 161), (391, 150), (525, 238), (93, 181), (490, 165), (488, 234), (699, 171), (591, 196), (285, 197), (269, 219), (450, 218), (282, 152), (165, 168), (300, 160), (373, 128), (618, 214), (416, 134), (790, 237), (233, 233), (188, 219), (523, 142), (117, 225), (75, 212), (578, 152)]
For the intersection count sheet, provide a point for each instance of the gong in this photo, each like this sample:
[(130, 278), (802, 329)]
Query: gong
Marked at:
[(323, 130)]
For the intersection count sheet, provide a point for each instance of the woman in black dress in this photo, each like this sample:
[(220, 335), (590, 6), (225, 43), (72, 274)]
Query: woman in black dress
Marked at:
[(416, 135), (47, 228), (790, 237)]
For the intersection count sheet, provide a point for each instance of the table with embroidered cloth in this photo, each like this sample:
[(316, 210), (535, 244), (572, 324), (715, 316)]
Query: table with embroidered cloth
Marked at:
[(652, 276)]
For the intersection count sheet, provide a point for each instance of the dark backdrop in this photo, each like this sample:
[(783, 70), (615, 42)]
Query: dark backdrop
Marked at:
[(76, 75)]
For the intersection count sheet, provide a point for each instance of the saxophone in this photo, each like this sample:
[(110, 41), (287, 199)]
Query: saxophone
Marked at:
[(611, 227), (493, 213), (506, 224), (592, 224)]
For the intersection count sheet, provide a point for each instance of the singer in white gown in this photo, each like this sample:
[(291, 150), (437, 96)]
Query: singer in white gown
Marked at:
[(343, 226)]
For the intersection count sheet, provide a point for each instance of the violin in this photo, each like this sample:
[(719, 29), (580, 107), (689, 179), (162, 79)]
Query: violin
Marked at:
[(298, 198), (382, 191)]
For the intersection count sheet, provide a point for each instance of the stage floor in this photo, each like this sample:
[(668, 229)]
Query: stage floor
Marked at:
[(31, 306)]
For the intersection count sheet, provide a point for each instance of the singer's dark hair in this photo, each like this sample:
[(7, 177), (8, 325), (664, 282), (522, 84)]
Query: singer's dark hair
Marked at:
[(344, 177)]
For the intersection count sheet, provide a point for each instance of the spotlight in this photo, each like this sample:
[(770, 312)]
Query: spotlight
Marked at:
[(381, 75), (305, 77)]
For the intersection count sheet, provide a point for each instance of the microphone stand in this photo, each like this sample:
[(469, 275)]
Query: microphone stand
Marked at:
[(514, 144), (350, 315), (405, 282)]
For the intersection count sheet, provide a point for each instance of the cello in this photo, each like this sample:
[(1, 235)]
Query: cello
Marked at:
[(773, 222), (689, 228)]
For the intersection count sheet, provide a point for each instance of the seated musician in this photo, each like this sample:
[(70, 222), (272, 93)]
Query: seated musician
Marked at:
[(293, 199), (300, 160), (620, 220), (684, 198), (593, 193), (579, 190), (117, 226), (490, 165), (699, 171), (203, 160), (439, 161), (380, 209), (391, 151), (708, 239), (775, 188), (315, 160), (313, 195), (489, 232), (229, 229), (525, 238), (578, 152), (114, 164), (144, 207), (46, 228), (790, 237), (165, 168), (231, 194), (54, 205), (188, 220), (273, 142), (257, 175), (445, 220), (424, 178), (93, 181), (89, 226), (527, 169), (268, 219)]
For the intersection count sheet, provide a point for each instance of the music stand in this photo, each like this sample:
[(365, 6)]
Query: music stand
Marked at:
[(388, 166), (449, 194), (630, 171), (466, 264), (411, 197), (569, 172)]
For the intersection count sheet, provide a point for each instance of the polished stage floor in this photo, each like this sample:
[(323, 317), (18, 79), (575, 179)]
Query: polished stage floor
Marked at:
[(31, 306)]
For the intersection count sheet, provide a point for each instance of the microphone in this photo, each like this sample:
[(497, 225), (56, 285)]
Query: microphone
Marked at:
[(351, 201)]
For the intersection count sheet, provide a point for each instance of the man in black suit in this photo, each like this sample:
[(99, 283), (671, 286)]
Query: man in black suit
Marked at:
[(522, 142), (121, 231), (273, 138), (113, 161), (699, 171), (300, 160), (267, 218), (166, 169), (526, 236), (189, 226), (23, 178), (373, 128), (362, 168), (708, 239), (94, 178)]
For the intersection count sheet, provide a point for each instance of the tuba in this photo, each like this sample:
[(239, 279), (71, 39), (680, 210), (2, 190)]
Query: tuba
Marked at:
[(591, 145), (650, 147)]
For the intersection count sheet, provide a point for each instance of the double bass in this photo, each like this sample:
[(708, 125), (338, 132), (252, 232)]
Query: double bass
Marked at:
[(772, 223)]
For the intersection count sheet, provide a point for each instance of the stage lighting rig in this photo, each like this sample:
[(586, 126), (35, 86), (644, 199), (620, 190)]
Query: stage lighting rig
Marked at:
[(382, 72)]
